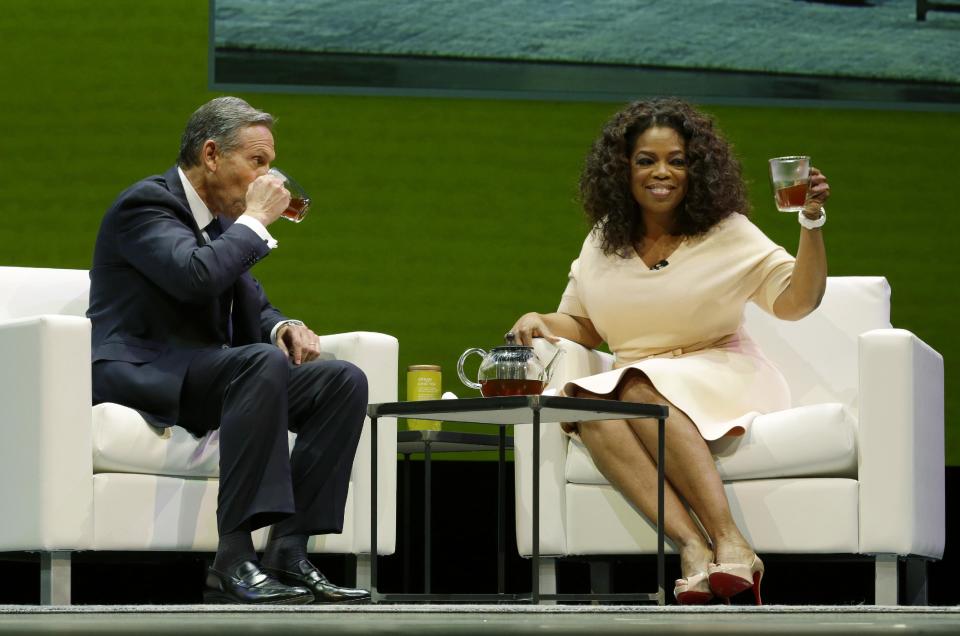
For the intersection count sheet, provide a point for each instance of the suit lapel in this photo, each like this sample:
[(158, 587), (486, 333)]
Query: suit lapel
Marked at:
[(175, 186)]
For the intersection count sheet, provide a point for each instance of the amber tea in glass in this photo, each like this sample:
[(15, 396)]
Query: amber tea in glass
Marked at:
[(790, 177), (299, 200)]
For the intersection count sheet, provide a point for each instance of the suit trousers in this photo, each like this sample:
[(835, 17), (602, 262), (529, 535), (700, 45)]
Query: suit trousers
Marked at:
[(253, 394)]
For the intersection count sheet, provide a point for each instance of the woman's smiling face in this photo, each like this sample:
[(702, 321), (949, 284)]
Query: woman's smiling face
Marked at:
[(658, 170)]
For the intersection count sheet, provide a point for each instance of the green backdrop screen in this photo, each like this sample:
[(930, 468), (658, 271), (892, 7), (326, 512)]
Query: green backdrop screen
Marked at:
[(438, 221)]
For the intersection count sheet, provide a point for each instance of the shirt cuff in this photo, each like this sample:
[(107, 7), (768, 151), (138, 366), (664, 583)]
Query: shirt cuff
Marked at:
[(276, 328), (259, 228)]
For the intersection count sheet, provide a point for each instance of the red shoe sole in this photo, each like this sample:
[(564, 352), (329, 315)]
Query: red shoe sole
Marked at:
[(727, 585), (694, 598)]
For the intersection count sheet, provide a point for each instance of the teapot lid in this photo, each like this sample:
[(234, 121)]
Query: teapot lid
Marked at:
[(510, 339)]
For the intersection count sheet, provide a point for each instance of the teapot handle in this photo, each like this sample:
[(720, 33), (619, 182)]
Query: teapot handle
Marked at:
[(463, 376)]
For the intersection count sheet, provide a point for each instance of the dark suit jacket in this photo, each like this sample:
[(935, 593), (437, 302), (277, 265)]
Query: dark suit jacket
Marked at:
[(159, 295)]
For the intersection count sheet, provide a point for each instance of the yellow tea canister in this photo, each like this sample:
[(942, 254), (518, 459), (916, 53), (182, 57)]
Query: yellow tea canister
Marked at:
[(423, 383)]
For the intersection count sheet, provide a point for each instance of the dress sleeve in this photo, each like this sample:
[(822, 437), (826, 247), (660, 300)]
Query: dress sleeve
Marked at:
[(570, 301), (775, 270)]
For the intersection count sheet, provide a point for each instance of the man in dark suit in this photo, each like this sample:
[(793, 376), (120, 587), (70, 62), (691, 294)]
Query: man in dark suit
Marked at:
[(184, 334)]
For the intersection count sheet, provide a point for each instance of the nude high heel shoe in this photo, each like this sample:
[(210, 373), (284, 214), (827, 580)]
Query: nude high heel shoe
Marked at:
[(693, 590), (729, 579)]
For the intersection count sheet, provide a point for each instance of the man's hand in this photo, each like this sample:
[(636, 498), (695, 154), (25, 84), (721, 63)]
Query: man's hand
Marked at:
[(299, 343), (267, 198)]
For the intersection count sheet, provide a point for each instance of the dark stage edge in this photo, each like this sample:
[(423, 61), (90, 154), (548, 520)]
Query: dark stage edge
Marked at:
[(477, 619)]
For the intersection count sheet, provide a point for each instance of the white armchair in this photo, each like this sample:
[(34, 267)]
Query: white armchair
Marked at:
[(75, 477), (855, 467)]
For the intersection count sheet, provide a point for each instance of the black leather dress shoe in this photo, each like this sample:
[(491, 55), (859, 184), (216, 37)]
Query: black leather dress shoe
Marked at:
[(308, 576), (248, 584)]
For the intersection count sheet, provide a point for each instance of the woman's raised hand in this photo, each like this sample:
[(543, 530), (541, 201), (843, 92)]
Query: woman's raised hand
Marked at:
[(818, 194), (530, 326)]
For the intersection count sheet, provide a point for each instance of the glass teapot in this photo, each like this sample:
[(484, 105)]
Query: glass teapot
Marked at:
[(512, 369)]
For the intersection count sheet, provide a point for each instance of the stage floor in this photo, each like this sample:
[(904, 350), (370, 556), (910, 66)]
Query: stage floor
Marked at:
[(477, 619)]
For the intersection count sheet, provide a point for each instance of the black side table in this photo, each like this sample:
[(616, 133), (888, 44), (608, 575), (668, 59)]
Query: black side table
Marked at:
[(429, 442), (519, 410)]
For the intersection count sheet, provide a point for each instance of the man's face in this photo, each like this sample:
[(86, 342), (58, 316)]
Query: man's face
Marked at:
[(235, 170)]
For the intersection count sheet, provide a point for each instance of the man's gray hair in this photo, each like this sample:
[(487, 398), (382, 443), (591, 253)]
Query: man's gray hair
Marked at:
[(220, 119)]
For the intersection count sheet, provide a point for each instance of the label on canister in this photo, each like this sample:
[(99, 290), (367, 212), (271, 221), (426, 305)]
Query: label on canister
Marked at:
[(423, 383)]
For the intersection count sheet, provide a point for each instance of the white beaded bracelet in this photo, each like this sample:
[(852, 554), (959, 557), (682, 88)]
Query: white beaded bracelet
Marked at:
[(812, 224)]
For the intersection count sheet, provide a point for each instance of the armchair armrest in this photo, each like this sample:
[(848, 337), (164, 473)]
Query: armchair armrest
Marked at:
[(901, 445), (577, 362), (377, 355), (46, 461)]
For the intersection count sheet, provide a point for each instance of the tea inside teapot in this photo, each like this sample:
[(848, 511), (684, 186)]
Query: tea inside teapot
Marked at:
[(501, 387), (510, 369)]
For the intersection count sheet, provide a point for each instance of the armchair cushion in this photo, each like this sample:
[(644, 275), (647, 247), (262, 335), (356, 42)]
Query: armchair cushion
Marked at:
[(808, 441), (819, 440), (123, 442)]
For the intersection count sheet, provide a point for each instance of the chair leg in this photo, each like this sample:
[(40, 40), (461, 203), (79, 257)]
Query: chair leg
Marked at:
[(886, 582), (55, 578), (916, 592), (364, 577), (547, 575)]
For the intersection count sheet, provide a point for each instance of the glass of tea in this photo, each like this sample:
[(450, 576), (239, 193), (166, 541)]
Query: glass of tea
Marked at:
[(790, 177), (299, 199)]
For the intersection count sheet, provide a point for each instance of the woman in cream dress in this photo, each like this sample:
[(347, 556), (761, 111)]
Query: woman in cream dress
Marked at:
[(663, 278)]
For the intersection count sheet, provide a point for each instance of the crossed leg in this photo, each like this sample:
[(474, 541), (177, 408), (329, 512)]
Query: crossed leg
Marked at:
[(624, 452)]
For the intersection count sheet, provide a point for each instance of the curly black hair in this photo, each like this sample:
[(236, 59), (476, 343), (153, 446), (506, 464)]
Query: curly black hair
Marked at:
[(715, 185)]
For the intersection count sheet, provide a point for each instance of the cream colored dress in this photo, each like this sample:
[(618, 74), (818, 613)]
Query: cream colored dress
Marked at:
[(681, 325)]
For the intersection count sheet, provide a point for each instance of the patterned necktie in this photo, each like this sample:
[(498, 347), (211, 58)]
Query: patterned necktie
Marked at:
[(213, 230)]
